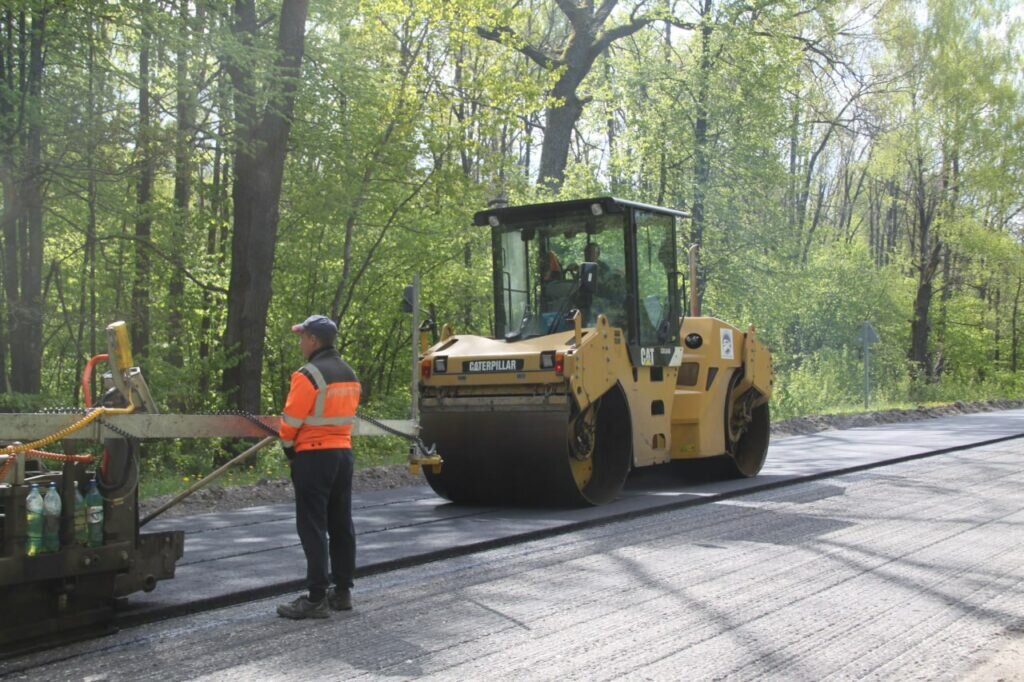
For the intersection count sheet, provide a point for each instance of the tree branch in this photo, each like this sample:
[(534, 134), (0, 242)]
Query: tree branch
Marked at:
[(613, 34), (602, 13), (685, 25), (170, 259), (571, 10), (537, 56)]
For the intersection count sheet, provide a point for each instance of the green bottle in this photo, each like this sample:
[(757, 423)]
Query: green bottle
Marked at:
[(94, 509), (81, 519), (34, 521)]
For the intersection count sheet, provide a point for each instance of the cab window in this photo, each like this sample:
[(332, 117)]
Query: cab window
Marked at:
[(655, 267)]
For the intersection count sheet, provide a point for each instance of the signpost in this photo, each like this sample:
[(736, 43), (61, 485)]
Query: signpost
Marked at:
[(868, 336)]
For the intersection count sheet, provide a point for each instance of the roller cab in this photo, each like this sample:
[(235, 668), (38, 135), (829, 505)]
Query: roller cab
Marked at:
[(583, 379)]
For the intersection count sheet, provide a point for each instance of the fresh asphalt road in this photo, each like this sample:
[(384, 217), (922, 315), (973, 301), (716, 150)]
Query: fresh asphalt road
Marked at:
[(251, 553), (909, 571)]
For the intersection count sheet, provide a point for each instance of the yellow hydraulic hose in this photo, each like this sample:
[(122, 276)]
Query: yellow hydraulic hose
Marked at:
[(80, 424), (94, 414)]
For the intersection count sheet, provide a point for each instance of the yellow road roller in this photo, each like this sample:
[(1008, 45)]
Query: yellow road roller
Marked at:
[(594, 369)]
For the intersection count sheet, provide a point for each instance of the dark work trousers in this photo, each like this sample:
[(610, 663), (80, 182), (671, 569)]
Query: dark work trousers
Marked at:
[(323, 507)]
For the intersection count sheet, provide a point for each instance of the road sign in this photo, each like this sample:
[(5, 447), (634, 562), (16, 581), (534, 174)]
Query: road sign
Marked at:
[(868, 335)]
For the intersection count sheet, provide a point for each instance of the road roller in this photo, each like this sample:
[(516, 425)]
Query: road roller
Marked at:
[(593, 369)]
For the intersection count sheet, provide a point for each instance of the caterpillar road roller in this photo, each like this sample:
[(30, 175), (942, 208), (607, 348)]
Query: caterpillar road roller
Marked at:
[(593, 370)]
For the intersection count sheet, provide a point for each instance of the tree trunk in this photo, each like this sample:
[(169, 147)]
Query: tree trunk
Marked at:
[(586, 43), (920, 325), (929, 250), (554, 153), (87, 293), (997, 336), (214, 239), (23, 230), (143, 196), (1013, 325), (794, 155), (701, 160), (182, 185), (259, 155)]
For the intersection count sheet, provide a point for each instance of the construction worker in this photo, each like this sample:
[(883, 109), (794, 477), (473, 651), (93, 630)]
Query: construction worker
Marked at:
[(609, 297), (550, 268), (316, 432)]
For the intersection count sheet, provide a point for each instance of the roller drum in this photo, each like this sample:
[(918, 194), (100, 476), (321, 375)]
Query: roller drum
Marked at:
[(527, 456)]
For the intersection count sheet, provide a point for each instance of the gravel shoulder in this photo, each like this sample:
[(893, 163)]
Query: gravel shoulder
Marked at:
[(218, 499)]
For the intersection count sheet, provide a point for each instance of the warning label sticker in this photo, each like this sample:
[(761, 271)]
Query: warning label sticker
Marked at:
[(727, 347)]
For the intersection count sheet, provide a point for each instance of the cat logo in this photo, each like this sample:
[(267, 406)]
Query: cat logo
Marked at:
[(486, 366)]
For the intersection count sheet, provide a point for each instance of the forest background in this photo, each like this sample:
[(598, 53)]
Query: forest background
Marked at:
[(213, 171)]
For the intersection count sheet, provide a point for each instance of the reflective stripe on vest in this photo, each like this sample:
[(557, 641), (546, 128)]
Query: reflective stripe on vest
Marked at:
[(321, 390), (318, 418), (292, 421), (330, 421)]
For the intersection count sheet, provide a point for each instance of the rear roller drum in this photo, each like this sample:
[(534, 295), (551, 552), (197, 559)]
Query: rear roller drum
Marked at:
[(747, 430)]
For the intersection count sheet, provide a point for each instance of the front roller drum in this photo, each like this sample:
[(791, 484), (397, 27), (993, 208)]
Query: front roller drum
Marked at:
[(551, 455)]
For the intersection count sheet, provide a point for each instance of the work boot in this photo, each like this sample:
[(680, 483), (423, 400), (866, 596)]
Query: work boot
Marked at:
[(340, 598), (303, 608)]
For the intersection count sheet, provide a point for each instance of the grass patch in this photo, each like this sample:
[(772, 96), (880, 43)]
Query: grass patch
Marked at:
[(163, 477), (881, 406), (873, 407)]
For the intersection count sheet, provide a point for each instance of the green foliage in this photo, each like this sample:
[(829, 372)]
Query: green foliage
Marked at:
[(811, 319), (827, 137), (170, 470)]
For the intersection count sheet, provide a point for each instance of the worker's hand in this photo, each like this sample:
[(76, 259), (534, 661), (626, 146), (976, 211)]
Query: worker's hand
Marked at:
[(289, 453)]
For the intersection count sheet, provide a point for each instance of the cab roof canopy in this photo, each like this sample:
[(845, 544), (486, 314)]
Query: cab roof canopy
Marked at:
[(595, 206)]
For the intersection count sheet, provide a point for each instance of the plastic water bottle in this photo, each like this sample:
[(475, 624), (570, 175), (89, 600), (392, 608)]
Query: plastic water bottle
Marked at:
[(51, 519), (34, 521), (81, 519), (94, 510)]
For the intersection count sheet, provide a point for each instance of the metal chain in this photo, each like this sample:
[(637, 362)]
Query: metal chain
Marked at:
[(248, 415), (116, 429), (379, 424), (415, 440), (222, 413)]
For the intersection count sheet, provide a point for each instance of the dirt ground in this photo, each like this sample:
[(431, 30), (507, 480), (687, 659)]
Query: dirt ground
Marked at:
[(216, 498)]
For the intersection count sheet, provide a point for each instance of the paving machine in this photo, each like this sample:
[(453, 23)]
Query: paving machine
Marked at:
[(594, 370), (71, 590)]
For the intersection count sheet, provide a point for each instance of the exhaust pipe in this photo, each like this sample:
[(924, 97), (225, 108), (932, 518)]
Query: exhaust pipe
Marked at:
[(694, 298)]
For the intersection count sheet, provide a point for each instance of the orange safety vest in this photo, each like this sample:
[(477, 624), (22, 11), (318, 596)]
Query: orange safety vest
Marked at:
[(321, 404)]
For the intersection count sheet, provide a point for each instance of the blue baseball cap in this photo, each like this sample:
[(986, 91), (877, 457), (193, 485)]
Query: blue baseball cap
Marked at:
[(320, 326)]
